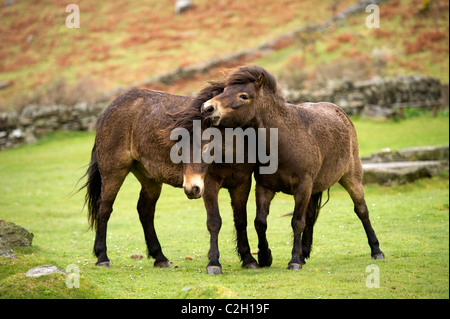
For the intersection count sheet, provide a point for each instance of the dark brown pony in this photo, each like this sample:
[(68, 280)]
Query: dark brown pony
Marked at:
[(133, 135), (317, 147)]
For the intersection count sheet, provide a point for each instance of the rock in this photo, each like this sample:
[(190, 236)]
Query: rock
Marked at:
[(422, 153), (9, 120), (5, 84), (401, 172), (44, 270), (5, 251), (182, 5), (406, 165), (425, 153), (14, 235), (377, 111), (17, 133), (351, 103)]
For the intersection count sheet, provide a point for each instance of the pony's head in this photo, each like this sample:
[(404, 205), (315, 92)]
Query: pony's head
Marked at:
[(190, 119), (244, 90)]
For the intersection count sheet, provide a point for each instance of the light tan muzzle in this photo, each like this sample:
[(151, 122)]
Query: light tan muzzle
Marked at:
[(211, 110), (193, 185)]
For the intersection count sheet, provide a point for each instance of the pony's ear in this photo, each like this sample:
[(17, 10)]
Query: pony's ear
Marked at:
[(260, 80)]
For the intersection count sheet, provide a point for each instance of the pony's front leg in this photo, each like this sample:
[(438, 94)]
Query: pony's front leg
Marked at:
[(146, 208), (213, 223), (239, 197), (302, 195), (263, 198)]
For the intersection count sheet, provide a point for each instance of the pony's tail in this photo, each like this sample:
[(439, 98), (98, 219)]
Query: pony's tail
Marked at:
[(314, 207), (93, 187)]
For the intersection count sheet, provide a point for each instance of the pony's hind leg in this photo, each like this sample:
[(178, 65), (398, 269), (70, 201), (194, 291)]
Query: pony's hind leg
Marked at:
[(302, 195), (110, 187), (312, 213), (146, 208), (356, 191)]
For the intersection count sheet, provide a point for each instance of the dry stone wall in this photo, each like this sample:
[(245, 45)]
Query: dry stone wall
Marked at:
[(354, 97), (383, 93), (35, 121)]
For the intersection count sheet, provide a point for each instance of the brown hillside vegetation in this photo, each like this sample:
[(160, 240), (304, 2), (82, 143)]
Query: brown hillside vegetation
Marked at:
[(122, 42)]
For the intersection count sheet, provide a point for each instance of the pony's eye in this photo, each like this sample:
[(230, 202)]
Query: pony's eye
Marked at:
[(243, 97)]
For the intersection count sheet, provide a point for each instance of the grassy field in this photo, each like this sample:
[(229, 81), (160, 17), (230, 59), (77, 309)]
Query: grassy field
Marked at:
[(411, 221)]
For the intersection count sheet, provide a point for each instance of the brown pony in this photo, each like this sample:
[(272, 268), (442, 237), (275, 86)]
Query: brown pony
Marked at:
[(133, 135), (317, 147)]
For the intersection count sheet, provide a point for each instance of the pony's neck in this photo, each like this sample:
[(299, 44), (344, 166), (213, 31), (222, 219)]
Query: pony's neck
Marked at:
[(271, 112)]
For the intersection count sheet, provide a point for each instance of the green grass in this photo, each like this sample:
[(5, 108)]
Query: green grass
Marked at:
[(411, 222), (373, 135)]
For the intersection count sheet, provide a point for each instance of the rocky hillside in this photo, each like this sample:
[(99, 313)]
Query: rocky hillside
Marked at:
[(123, 44)]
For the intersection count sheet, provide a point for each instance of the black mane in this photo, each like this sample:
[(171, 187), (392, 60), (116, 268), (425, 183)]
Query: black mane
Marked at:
[(253, 73), (246, 74), (188, 113)]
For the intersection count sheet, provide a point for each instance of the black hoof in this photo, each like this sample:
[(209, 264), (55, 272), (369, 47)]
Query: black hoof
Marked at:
[(105, 264), (162, 264), (265, 260), (294, 266), (378, 256), (253, 265), (214, 270)]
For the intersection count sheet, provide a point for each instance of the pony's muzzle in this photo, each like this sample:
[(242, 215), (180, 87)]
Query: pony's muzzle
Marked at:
[(210, 111), (193, 192), (208, 108), (194, 188)]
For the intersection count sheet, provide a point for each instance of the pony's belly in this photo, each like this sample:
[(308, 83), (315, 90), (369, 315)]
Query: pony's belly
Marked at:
[(325, 181), (161, 172), (275, 182)]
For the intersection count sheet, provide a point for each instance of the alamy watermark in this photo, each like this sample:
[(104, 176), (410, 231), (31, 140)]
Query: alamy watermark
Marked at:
[(73, 19), (373, 19), (73, 276), (373, 279), (212, 152)]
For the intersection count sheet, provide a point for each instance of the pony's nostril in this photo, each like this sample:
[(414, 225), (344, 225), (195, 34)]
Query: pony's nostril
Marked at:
[(195, 190), (208, 110)]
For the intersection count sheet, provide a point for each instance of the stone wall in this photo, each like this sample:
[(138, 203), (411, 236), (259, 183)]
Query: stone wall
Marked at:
[(35, 121), (378, 92), (389, 167)]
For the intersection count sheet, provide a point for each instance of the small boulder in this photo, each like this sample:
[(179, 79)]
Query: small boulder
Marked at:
[(44, 270), (182, 6), (401, 172), (5, 251), (14, 235)]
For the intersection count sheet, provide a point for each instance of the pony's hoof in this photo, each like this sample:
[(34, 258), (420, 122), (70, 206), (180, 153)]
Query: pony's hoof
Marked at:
[(253, 265), (294, 266), (265, 260), (378, 256), (214, 270), (105, 264), (162, 264)]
